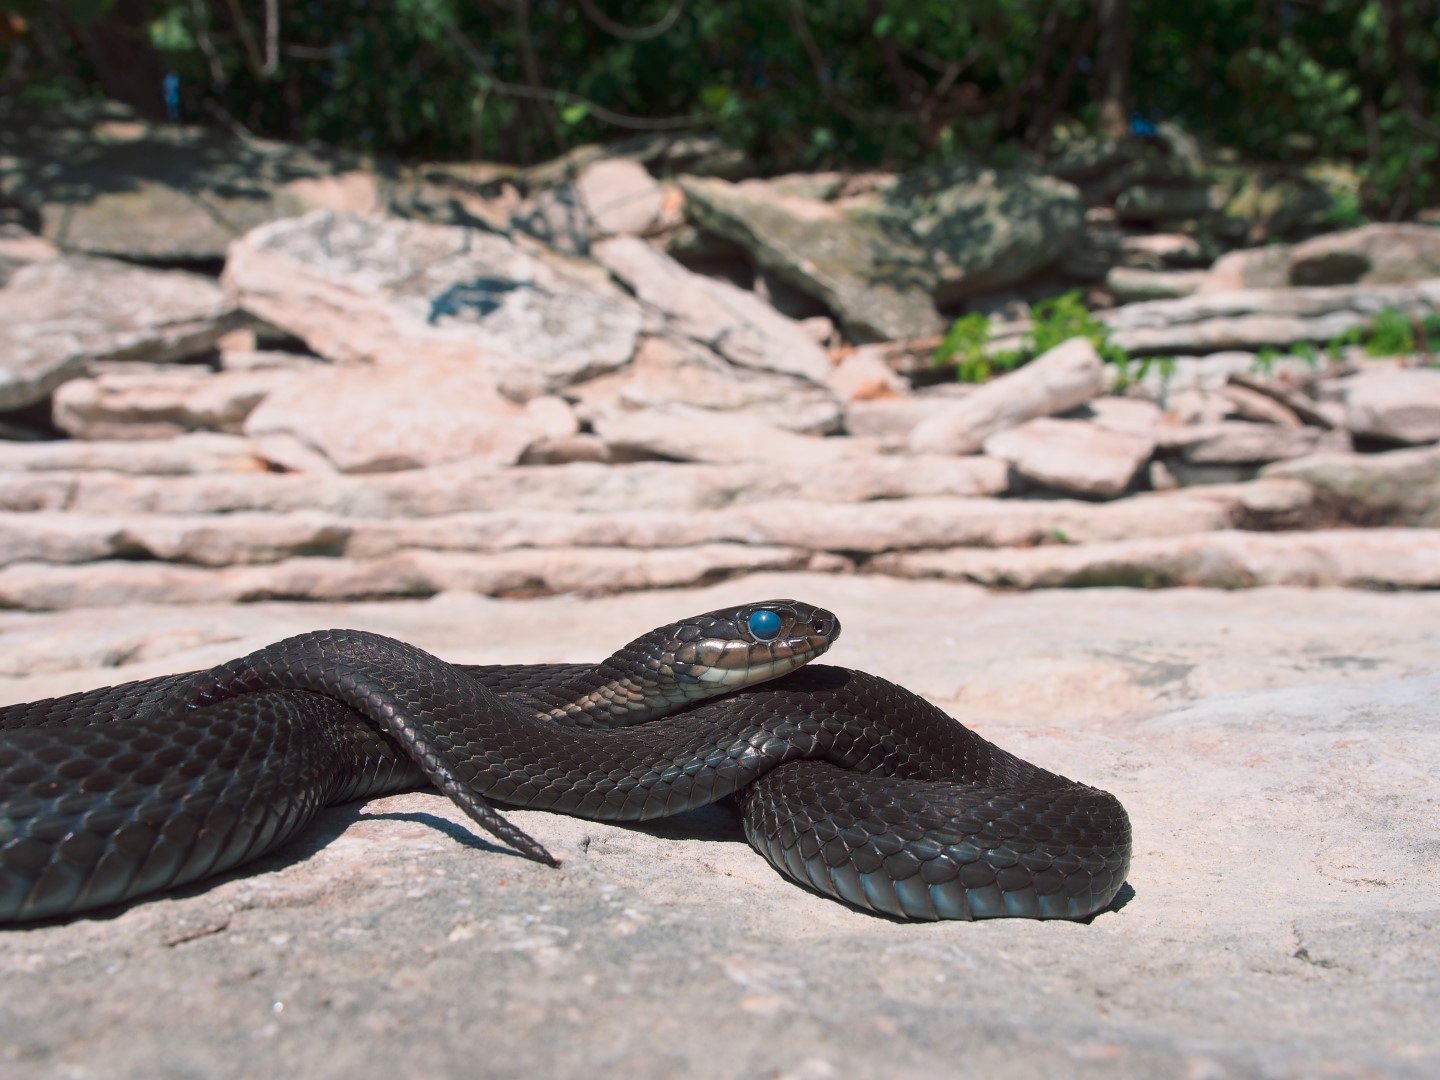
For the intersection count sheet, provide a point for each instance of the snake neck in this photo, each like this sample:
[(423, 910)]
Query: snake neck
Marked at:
[(618, 692)]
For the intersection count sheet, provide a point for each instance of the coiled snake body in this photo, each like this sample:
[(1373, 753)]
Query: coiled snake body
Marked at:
[(846, 783)]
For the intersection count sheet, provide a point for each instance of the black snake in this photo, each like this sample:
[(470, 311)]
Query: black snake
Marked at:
[(846, 783)]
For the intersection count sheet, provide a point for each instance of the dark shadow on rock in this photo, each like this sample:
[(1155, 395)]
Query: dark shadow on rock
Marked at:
[(716, 823), (1123, 897), (456, 831)]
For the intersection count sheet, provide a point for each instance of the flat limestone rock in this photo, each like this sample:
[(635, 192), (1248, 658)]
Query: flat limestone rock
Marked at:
[(1400, 406), (155, 402), (667, 372), (385, 291), (249, 537), (380, 418), (1385, 253), (1369, 558), (1232, 442), (44, 587), (678, 432), (1257, 318), (1287, 717), (1078, 457), (733, 322), (193, 454), (1064, 378), (1400, 487), (576, 488), (59, 315)]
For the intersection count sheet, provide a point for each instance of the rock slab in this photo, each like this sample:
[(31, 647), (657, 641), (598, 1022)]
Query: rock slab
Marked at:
[(58, 315), (366, 289), (1064, 378), (1299, 723)]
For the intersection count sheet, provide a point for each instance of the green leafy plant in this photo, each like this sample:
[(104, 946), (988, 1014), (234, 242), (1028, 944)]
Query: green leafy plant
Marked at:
[(1053, 321), (1340, 342), (1265, 359), (1066, 316), (967, 335), (1307, 351), (1135, 371), (1390, 334)]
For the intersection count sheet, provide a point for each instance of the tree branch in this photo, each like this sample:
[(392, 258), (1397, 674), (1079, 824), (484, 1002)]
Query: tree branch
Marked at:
[(563, 97), (632, 33)]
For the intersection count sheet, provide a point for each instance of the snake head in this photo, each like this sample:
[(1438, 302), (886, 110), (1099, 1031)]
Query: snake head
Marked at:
[(703, 656), (741, 646)]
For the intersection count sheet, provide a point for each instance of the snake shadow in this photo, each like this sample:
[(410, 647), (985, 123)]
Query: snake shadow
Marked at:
[(326, 827)]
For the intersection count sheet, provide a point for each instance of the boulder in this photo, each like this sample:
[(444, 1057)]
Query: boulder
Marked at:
[(877, 284), (386, 417), (59, 315), (1062, 379), (621, 197), (1400, 487), (1077, 457), (983, 229), (359, 289), (1261, 204), (731, 321), (1240, 442), (609, 196), (878, 260), (147, 401), (107, 183), (1256, 318), (1379, 254), (668, 372), (1400, 406)]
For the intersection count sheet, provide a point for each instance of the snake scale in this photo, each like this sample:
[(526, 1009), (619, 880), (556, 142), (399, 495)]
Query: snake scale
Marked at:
[(848, 784)]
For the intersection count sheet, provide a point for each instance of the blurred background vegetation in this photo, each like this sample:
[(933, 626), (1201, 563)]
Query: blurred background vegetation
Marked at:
[(796, 84)]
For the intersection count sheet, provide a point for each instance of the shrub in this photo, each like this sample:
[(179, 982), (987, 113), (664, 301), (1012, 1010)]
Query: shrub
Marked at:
[(1053, 321)]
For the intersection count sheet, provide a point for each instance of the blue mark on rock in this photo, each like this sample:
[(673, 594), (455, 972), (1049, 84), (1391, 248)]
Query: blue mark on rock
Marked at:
[(477, 299)]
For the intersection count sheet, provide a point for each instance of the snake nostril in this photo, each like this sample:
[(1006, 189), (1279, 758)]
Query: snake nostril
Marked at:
[(820, 627)]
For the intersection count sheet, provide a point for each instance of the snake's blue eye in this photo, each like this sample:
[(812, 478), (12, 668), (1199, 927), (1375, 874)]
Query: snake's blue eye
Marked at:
[(765, 625)]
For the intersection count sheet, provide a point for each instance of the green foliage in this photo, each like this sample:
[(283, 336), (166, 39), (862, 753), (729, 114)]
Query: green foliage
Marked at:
[(812, 84), (1307, 351), (1064, 317), (1340, 342), (1053, 321), (964, 341), (1265, 360), (1135, 371), (1391, 334)]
